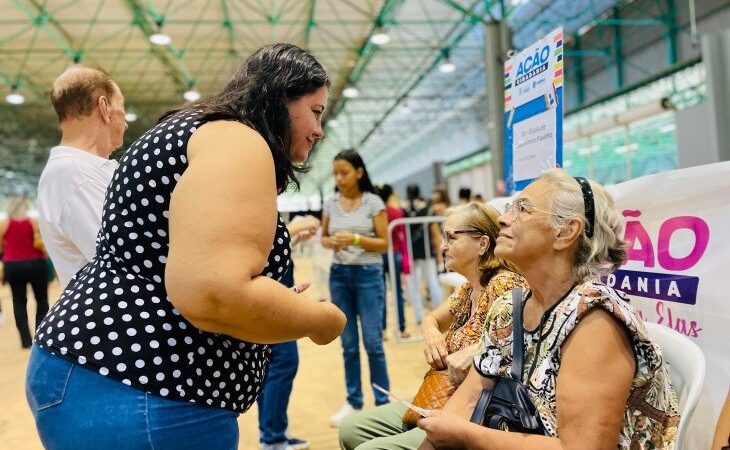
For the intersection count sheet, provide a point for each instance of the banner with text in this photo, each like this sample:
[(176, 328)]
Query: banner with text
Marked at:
[(677, 268), (533, 110)]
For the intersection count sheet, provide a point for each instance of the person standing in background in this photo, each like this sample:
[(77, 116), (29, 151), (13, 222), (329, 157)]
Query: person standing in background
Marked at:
[(71, 189), (355, 226), (464, 195), (394, 212), (423, 265), (24, 263)]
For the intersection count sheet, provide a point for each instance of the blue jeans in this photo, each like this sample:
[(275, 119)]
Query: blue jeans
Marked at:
[(78, 409), (274, 397), (398, 257), (273, 400), (359, 292)]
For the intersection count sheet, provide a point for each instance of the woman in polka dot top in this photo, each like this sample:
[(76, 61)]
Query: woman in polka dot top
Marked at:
[(160, 341)]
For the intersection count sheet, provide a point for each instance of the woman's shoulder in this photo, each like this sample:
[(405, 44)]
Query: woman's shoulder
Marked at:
[(221, 128), (503, 282), (373, 199), (508, 277), (591, 295), (332, 199)]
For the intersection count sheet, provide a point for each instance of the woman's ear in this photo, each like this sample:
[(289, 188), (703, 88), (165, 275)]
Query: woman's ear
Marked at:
[(484, 244), (360, 172), (567, 234)]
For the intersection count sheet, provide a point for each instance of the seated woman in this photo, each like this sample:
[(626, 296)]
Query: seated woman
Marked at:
[(468, 243), (595, 377)]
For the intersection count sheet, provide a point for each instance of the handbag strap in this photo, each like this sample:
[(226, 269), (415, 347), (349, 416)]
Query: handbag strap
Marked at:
[(517, 336)]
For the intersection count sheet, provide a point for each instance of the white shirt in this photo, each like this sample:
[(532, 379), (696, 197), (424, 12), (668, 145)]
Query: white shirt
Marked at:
[(71, 194)]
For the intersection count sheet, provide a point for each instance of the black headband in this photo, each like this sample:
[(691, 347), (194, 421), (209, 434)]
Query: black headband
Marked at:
[(590, 207)]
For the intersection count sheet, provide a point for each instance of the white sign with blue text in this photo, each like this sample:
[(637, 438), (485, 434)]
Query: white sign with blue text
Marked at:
[(533, 110)]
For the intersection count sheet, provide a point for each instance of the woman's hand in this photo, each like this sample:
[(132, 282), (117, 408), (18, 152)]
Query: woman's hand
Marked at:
[(301, 287), (343, 238), (443, 430), (459, 363), (435, 349)]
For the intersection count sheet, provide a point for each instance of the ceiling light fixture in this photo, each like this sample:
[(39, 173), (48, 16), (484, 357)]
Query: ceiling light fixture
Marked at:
[(15, 98), (191, 95), (160, 39), (130, 117), (447, 66), (380, 37), (350, 92)]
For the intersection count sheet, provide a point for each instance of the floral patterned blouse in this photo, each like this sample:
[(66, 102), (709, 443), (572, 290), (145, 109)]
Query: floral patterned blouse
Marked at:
[(651, 416), (466, 329)]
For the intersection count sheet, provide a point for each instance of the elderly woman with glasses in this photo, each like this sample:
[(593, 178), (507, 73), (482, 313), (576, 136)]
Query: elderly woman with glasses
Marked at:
[(452, 331), (596, 379)]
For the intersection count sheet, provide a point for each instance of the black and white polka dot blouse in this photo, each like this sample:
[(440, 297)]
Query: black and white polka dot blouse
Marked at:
[(114, 317)]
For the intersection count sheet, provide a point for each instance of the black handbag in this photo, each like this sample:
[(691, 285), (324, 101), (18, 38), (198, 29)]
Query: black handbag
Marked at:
[(508, 405)]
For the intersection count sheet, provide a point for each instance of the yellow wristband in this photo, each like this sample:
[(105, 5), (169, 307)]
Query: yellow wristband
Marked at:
[(356, 240)]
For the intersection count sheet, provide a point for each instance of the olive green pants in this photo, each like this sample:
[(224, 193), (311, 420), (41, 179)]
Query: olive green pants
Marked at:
[(379, 429)]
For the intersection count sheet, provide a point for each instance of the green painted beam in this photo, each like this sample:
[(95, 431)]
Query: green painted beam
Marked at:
[(451, 40), (468, 12), (670, 33), (168, 55), (43, 19), (579, 78), (366, 51), (618, 59), (311, 24), (228, 26)]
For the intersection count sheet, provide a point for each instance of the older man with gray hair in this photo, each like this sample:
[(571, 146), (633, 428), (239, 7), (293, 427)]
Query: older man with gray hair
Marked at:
[(71, 190)]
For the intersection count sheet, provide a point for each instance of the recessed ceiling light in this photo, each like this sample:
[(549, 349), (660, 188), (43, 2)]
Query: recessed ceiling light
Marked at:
[(160, 39)]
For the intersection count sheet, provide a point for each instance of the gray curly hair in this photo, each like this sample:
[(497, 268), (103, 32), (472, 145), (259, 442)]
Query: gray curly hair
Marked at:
[(605, 251)]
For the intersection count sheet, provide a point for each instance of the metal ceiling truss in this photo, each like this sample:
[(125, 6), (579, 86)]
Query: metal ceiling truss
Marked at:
[(404, 99)]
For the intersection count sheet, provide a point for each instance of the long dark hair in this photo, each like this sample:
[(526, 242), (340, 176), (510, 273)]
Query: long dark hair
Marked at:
[(354, 158), (256, 96)]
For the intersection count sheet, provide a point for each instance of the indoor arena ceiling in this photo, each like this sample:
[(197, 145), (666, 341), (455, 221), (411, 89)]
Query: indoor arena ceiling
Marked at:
[(404, 96)]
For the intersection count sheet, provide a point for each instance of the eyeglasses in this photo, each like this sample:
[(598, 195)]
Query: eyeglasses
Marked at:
[(513, 211), (450, 236)]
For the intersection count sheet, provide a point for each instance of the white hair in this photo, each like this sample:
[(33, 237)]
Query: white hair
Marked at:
[(605, 251)]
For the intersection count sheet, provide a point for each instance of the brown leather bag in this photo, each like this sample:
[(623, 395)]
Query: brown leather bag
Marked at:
[(435, 391)]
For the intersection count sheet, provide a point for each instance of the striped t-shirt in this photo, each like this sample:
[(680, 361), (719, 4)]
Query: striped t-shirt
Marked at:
[(359, 221)]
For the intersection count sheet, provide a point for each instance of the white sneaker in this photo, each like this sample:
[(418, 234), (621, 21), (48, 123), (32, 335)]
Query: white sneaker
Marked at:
[(346, 410)]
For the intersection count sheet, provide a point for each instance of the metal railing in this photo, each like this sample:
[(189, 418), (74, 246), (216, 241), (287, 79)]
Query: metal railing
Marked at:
[(425, 222)]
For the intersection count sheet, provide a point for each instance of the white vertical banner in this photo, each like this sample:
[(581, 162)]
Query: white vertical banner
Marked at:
[(678, 268)]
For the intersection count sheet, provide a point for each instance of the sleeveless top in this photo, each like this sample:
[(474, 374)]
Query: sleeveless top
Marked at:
[(466, 329), (115, 317), (651, 416), (18, 242)]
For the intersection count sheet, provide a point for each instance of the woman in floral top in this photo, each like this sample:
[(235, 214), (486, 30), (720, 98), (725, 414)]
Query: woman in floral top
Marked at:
[(596, 378), (452, 331)]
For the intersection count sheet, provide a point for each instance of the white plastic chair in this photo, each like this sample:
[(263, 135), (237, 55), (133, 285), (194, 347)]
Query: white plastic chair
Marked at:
[(686, 364)]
